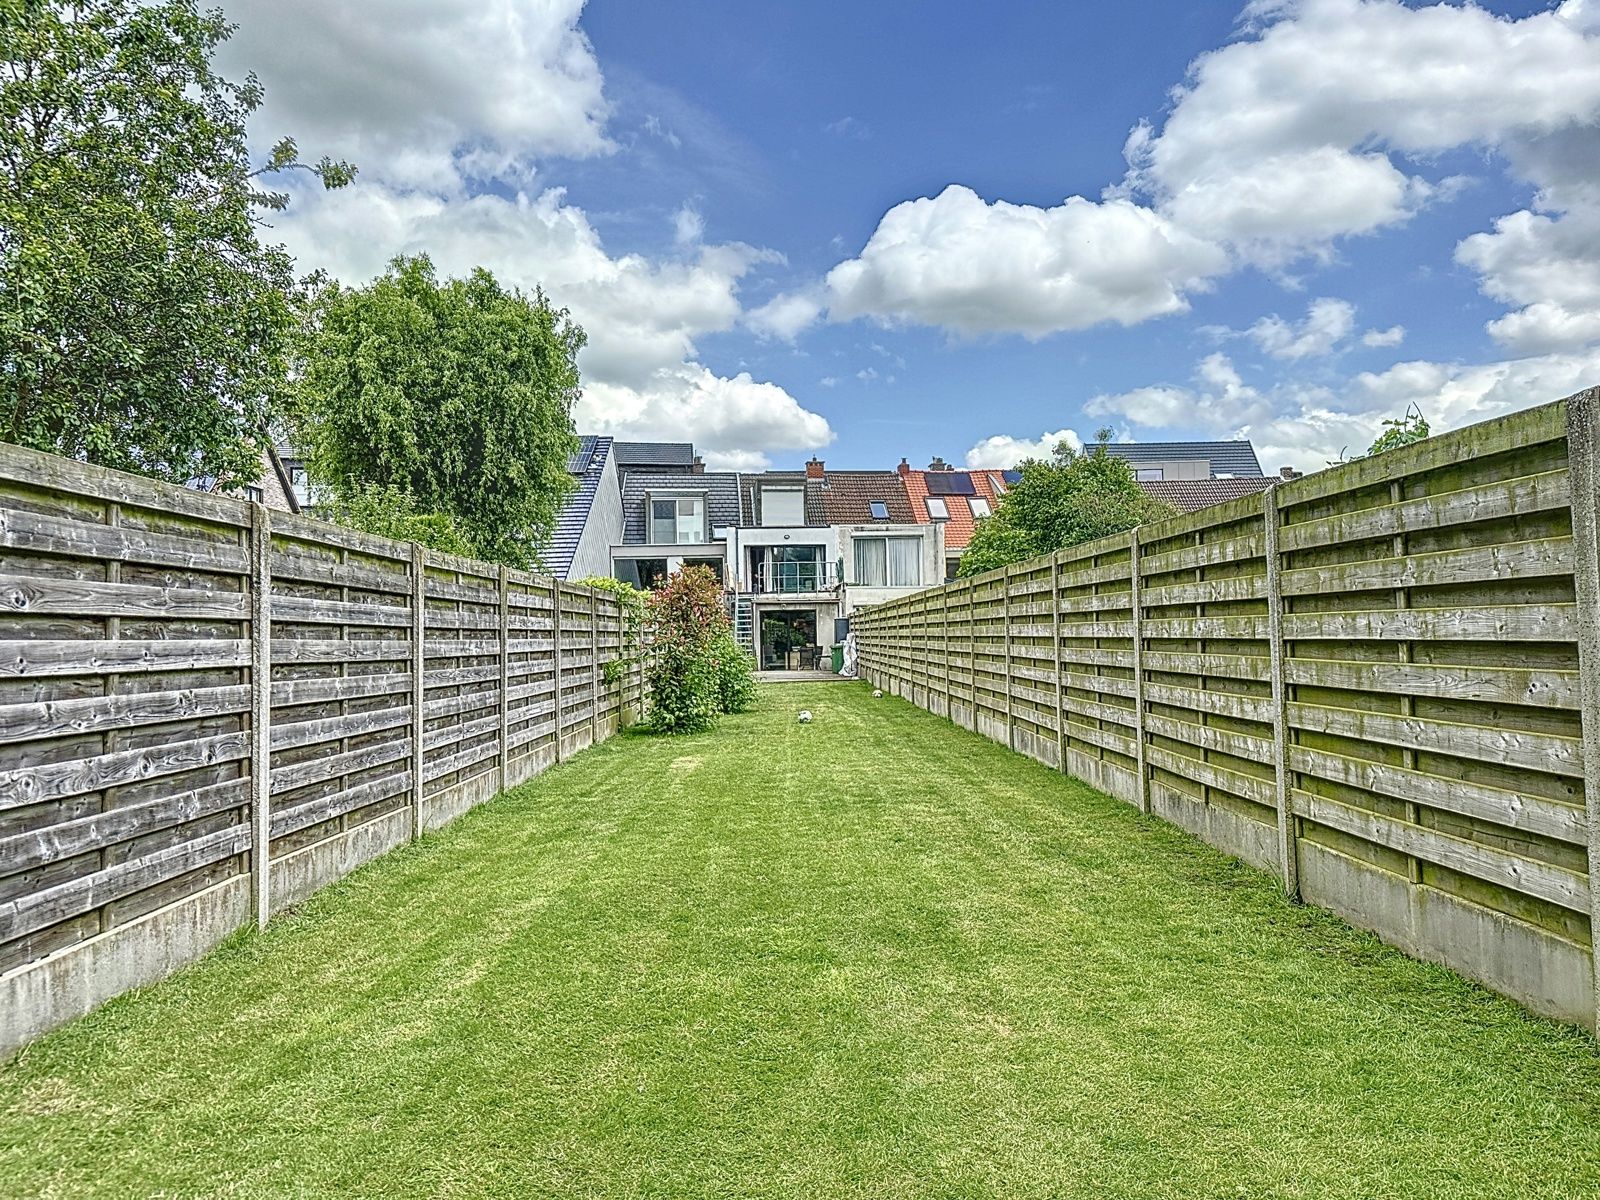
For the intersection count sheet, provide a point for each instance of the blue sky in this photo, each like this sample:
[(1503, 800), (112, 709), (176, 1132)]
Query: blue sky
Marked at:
[(1353, 206)]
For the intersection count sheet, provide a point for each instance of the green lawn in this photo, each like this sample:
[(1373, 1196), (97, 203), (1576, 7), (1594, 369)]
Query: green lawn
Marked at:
[(869, 956)]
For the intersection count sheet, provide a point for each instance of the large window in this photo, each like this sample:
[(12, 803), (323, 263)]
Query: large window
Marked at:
[(677, 519), (1150, 474), (641, 572), (783, 506), (889, 562)]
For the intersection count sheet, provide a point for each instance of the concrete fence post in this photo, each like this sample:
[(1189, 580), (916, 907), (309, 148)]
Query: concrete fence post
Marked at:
[(261, 713), (1141, 792), (419, 678), (1288, 855), (1583, 449)]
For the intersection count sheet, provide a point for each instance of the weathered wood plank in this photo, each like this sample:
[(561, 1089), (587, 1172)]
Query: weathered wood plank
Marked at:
[(25, 659), (1569, 889), (56, 781), (24, 914), (1503, 747), (93, 714), (40, 594)]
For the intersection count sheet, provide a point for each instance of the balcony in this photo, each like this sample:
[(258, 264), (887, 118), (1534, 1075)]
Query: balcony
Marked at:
[(790, 578)]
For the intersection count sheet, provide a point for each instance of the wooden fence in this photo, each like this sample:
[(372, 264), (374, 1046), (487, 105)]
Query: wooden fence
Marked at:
[(1370, 681), (193, 686)]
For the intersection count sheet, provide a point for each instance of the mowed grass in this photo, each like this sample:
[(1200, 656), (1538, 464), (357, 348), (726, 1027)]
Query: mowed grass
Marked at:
[(869, 956)]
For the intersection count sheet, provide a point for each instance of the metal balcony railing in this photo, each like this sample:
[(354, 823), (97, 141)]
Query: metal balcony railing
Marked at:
[(781, 578)]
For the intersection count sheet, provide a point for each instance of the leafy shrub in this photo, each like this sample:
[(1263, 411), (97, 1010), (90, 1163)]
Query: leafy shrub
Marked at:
[(692, 674), (736, 681)]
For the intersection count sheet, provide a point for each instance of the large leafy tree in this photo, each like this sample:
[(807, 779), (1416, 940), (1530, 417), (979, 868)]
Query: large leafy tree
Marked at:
[(1070, 497), (145, 325), (458, 394)]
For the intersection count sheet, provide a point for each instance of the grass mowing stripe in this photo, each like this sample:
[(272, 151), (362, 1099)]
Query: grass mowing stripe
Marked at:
[(873, 955)]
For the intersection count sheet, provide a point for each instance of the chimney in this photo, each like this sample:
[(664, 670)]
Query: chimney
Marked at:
[(1290, 473), (904, 468), (814, 468), (938, 464), (697, 466)]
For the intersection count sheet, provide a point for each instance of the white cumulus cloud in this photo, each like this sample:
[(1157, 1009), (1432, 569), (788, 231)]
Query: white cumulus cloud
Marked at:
[(959, 262), (435, 101), (1003, 453)]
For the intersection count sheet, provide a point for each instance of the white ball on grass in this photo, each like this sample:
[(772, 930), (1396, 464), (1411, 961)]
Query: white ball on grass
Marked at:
[(805, 715), (877, 693)]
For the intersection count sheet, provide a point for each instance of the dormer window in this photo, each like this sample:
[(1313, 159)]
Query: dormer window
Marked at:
[(1150, 474), (880, 510), (675, 520), (783, 506)]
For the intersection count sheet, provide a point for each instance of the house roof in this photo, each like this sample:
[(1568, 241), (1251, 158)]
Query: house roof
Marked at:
[(1189, 495), (721, 489), (847, 498), (953, 485), (750, 495), (1236, 458), (587, 464), (658, 456)]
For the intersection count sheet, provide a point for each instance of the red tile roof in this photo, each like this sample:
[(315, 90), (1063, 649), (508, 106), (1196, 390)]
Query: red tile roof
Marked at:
[(958, 529)]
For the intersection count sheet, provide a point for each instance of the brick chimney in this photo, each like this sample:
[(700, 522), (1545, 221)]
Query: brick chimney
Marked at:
[(814, 469), (1290, 473), (939, 464), (904, 468), (697, 466)]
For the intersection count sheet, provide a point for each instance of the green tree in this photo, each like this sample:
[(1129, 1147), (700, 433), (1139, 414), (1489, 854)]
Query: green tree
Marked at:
[(392, 512), (145, 326), (1061, 501), (459, 393)]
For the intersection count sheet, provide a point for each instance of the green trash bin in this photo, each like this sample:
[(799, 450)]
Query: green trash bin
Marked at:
[(838, 659)]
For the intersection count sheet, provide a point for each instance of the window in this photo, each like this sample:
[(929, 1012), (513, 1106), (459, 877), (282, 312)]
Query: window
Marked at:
[(937, 509), (889, 562), (980, 507), (1150, 474), (783, 506), (677, 519), (712, 564), (998, 482), (880, 510), (641, 572)]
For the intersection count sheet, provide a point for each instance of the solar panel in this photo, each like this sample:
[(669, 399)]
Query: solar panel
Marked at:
[(1012, 477), (949, 483), (880, 510)]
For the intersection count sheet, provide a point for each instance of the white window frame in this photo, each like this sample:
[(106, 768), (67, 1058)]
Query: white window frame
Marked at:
[(891, 578), (654, 498), (973, 502), (942, 512)]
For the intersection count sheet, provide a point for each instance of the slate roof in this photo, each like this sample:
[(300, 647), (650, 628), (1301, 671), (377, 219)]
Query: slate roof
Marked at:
[(587, 465), (721, 489), (847, 497), (654, 456), (1190, 495), (1226, 458)]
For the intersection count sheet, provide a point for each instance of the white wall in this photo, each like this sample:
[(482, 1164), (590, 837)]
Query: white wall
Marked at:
[(743, 539), (857, 595), (603, 528)]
